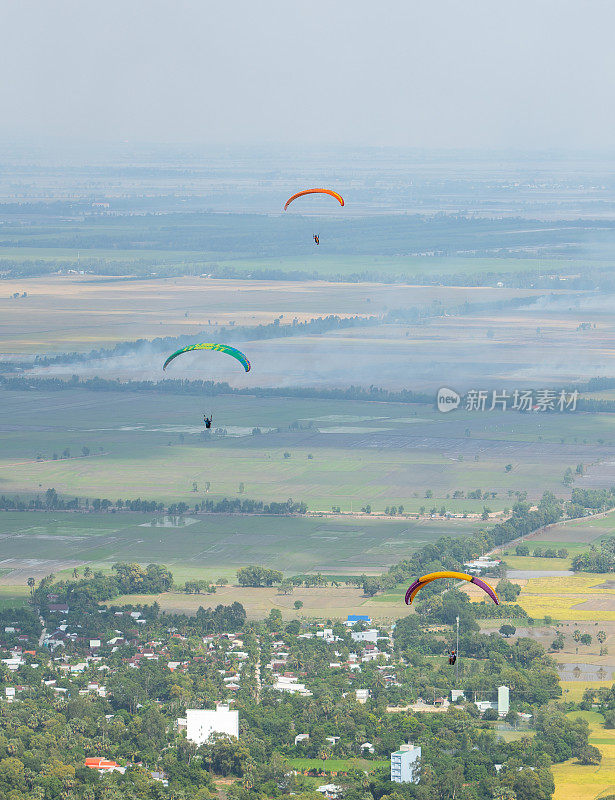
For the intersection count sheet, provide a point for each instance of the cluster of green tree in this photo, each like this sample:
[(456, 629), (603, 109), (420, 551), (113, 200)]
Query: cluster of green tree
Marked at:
[(196, 587), (508, 611), (550, 552), (597, 559), (595, 500), (508, 590), (128, 579), (217, 619), (601, 699), (258, 576), (43, 740), (228, 505), (311, 580), (563, 738), (213, 388), (541, 552), (23, 620)]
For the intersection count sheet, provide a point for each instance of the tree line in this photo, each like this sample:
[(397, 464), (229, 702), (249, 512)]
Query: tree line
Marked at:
[(52, 501), (212, 389), (165, 344)]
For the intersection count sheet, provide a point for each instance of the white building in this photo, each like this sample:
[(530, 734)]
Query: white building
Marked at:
[(502, 706), (13, 663), (365, 636), (330, 790), (362, 695), (503, 700), (287, 683), (405, 764), (481, 563), (202, 723), (354, 618)]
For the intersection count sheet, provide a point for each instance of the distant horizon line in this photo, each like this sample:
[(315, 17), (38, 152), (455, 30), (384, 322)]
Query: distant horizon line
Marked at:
[(21, 142)]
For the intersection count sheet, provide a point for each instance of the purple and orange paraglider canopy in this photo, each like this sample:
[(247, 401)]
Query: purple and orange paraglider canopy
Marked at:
[(433, 576)]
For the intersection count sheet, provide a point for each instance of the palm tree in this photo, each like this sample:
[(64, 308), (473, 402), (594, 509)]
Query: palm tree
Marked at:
[(87, 572), (31, 584)]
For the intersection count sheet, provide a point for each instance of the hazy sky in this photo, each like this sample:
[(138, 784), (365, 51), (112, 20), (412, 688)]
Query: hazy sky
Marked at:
[(477, 73)]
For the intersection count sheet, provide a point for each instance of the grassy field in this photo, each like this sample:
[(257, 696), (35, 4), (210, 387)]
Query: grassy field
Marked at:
[(576, 534), (322, 604), (337, 764), (150, 445), (531, 563), (13, 596), (210, 546), (72, 313)]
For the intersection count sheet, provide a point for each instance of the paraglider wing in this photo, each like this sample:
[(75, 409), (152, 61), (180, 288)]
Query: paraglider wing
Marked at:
[(425, 579), (337, 196), (223, 348), (485, 586)]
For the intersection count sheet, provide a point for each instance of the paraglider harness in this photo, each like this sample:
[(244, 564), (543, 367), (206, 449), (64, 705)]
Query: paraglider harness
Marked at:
[(452, 657), (207, 421), (316, 238)]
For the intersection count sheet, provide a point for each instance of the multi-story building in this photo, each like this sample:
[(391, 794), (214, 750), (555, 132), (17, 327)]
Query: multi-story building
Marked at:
[(202, 723), (405, 764)]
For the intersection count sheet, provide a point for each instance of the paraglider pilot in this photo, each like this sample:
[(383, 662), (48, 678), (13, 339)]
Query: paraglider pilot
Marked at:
[(207, 420), (452, 657), (316, 238)]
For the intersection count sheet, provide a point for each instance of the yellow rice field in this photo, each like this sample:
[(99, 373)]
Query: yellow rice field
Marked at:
[(586, 583), (573, 781), (573, 690)]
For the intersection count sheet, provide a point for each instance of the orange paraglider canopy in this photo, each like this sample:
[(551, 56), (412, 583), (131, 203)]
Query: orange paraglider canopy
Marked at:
[(330, 192)]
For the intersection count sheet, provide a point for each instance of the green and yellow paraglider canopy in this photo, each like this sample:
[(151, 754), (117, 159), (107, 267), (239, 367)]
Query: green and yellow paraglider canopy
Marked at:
[(222, 348)]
